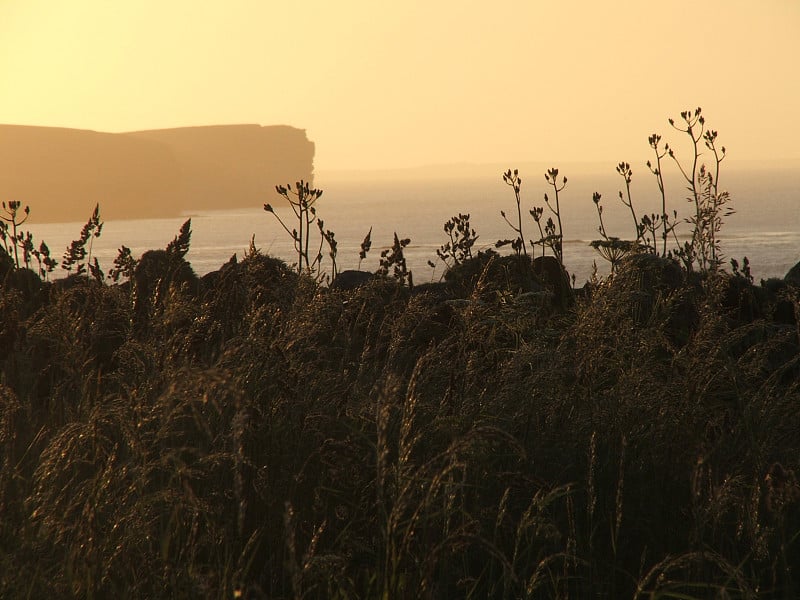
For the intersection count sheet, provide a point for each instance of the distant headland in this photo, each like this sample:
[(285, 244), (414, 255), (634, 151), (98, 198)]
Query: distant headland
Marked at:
[(62, 173)]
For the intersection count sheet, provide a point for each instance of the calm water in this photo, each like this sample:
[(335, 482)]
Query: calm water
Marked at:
[(765, 227)]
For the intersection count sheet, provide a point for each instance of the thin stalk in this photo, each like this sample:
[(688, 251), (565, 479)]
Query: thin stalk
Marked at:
[(560, 241), (519, 221), (654, 140), (16, 241), (691, 121), (558, 247), (624, 169)]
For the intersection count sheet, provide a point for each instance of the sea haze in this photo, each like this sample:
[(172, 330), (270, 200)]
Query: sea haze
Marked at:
[(416, 204)]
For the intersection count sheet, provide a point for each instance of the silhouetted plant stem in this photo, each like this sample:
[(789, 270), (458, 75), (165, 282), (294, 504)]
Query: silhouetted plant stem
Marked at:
[(462, 239), (26, 242), (703, 250), (45, 262), (513, 180), (602, 228), (704, 193), (76, 253), (552, 235), (124, 265), (12, 209), (301, 200), (330, 237), (556, 236), (97, 226), (692, 120), (610, 248), (709, 138), (393, 259), (536, 213), (654, 140), (624, 169), (366, 246)]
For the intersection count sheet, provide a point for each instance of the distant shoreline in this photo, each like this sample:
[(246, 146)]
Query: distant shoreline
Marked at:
[(468, 170)]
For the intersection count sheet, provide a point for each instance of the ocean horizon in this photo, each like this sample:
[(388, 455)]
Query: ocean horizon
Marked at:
[(416, 203)]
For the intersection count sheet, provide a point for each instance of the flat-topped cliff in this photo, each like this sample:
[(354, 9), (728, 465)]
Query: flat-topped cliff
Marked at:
[(62, 173), (234, 165)]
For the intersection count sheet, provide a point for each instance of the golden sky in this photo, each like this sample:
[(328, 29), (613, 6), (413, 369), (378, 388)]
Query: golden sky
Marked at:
[(380, 84)]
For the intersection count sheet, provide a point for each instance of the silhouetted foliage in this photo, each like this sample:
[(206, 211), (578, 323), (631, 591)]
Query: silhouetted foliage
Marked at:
[(393, 262), (77, 255), (9, 228), (179, 246), (518, 244), (124, 265), (366, 246), (703, 250), (462, 239), (257, 434), (301, 199)]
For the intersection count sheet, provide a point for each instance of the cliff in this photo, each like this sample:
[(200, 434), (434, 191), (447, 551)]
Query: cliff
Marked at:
[(62, 173), (234, 165)]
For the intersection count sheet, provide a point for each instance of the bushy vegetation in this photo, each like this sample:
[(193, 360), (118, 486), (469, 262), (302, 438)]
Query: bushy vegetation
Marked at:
[(255, 433)]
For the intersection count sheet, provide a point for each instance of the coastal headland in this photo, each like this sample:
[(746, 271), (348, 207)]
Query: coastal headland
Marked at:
[(154, 173)]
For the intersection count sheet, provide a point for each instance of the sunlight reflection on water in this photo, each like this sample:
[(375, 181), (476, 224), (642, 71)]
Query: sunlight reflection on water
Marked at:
[(765, 227)]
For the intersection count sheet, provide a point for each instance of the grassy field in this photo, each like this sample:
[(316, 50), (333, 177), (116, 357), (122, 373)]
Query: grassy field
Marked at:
[(257, 434), (293, 432)]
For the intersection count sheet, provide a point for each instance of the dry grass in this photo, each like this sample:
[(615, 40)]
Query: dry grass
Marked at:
[(262, 435)]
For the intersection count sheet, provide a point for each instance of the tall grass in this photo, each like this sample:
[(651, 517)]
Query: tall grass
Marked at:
[(257, 434)]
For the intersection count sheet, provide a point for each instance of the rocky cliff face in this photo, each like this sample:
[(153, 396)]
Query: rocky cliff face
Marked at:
[(234, 165), (63, 173)]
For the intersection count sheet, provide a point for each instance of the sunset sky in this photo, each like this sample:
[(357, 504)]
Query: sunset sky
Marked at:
[(399, 84)]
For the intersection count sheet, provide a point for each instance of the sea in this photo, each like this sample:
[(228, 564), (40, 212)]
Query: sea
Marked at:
[(415, 204)]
